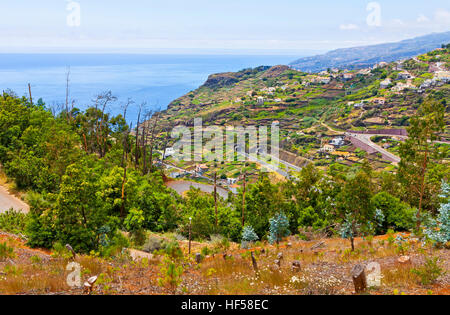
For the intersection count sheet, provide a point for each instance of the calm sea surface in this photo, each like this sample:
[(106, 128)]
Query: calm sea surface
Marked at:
[(155, 79)]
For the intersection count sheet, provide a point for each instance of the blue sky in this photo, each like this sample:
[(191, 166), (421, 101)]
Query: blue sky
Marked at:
[(211, 26)]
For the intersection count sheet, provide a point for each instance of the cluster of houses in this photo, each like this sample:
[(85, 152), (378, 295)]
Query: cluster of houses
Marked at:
[(334, 144), (441, 77), (367, 103)]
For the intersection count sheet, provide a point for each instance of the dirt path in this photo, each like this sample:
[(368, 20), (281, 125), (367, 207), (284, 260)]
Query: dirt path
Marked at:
[(8, 201)]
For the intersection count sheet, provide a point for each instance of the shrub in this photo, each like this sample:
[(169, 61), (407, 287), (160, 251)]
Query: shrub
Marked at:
[(115, 246), (170, 275), (13, 221), (397, 214), (429, 272), (174, 251), (134, 223), (439, 230), (154, 244), (248, 236), (6, 251), (279, 228)]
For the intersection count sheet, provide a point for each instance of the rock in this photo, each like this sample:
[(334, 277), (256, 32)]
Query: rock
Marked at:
[(92, 280), (89, 284), (359, 278), (198, 258), (280, 256), (296, 266), (289, 245), (404, 260), (69, 248)]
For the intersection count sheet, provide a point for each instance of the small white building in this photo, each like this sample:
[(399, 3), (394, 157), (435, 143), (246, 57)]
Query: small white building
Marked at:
[(260, 101), (337, 142), (232, 181), (443, 76), (327, 148), (405, 75), (385, 84), (169, 152)]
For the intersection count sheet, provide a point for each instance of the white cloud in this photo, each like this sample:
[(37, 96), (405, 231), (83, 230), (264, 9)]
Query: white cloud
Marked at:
[(422, 19), (348, 27)]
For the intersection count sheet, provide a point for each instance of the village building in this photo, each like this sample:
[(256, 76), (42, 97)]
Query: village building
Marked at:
[(232, 181), (385, 84), (443, 76), (169, 152), (348, 76), (337, 142), (327, 148), (379, 101), (201, 168), (405, 75), (260, 101)]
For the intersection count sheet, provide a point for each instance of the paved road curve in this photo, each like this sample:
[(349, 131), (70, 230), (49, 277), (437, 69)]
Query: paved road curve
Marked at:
[(8, 201), (365, 138)]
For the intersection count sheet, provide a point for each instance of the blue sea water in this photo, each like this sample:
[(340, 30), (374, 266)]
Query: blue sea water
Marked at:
[(155, 79)]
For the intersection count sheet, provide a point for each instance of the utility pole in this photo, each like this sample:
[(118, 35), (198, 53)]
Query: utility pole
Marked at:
[(29, 91), (190, 226), (215, 198), (243, 200)]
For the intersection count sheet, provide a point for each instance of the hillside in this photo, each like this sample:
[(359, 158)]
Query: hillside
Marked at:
[(367, 56), (315, 108)]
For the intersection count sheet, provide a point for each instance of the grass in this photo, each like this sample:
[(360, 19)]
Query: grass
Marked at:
[(325, 270)]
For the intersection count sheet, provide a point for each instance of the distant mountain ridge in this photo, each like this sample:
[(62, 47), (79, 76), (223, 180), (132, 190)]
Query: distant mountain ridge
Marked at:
[(366, 56)]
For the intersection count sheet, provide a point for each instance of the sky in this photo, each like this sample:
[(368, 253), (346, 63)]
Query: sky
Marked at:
[(213, 26)]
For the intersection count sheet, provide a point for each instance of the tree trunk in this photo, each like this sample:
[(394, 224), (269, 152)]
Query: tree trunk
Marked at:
[(153, 141), (422, 187), (29, 91), (243, 200), (136, 165), (359, 278), (255, 265), (215, 199)]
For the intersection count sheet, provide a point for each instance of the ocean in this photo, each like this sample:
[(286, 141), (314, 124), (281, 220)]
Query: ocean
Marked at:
[(154, 79)]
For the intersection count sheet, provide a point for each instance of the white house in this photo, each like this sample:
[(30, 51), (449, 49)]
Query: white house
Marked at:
[(327, 148), (169, 152), (385, 84), (337, 142), (443, 76), (260, 101), (405, 75)]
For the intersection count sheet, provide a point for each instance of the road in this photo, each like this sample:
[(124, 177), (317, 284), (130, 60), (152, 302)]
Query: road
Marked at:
[(365, 138), (8, 201)]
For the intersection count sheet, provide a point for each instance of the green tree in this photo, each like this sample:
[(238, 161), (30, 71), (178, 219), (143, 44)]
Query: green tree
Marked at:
[(355, 206), (420, 170), (279, 228)]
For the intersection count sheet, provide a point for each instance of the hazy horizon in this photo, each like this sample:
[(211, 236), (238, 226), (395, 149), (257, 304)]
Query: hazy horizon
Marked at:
[(211, 27)]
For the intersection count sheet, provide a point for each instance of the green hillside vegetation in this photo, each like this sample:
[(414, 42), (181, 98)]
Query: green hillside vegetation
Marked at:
[(314, 108)]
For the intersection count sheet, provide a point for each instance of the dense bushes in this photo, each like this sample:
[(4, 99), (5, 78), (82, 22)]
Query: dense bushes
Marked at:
[(13, 221), (84, 188), (397, 214)]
